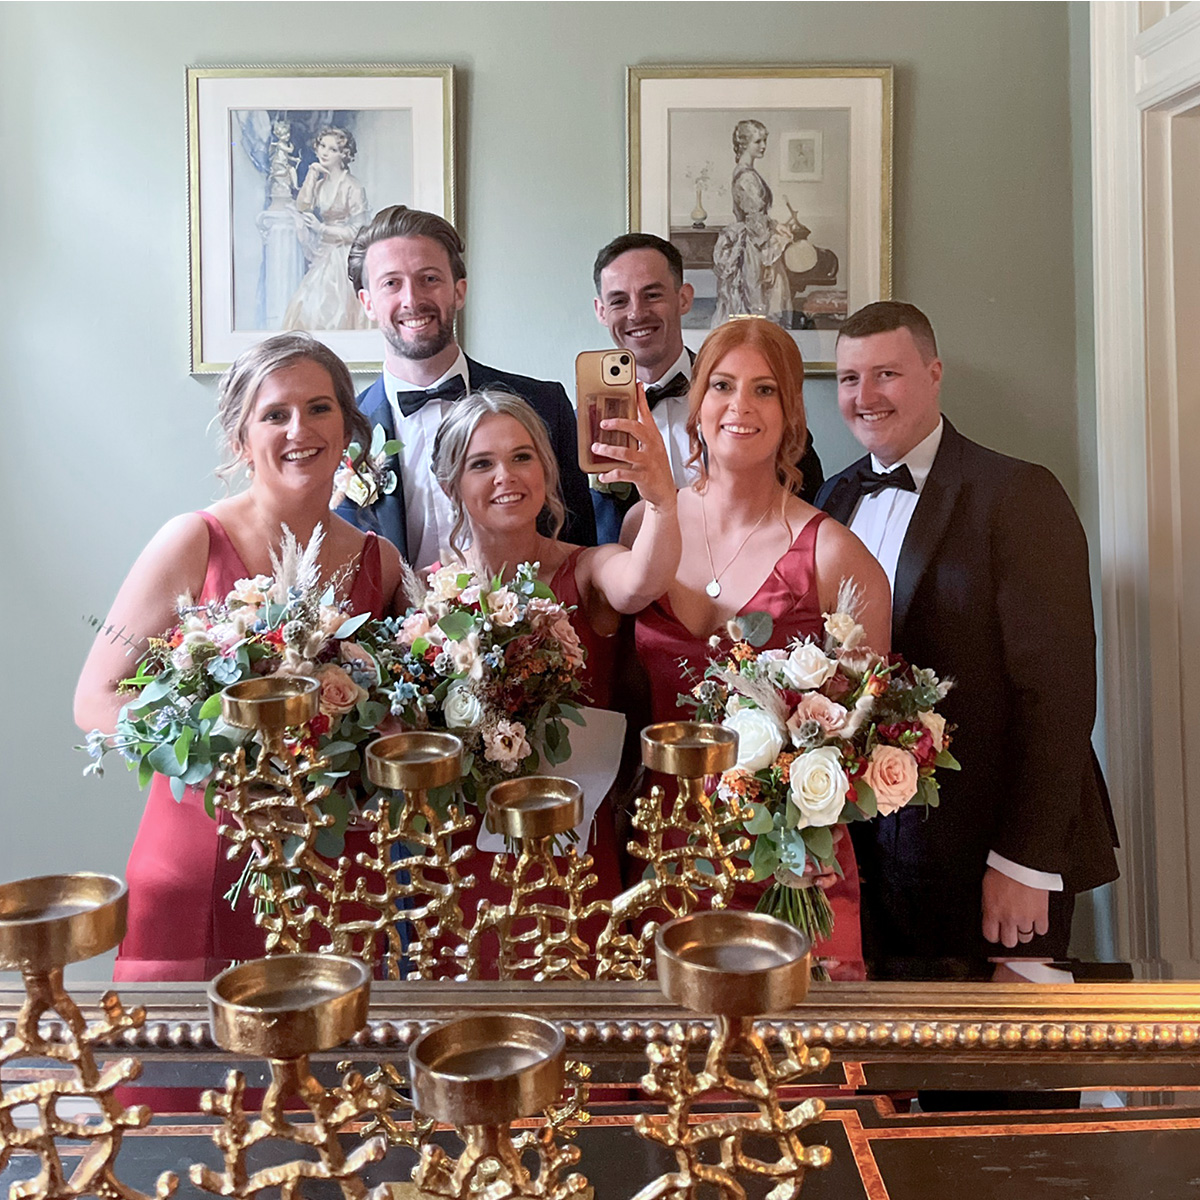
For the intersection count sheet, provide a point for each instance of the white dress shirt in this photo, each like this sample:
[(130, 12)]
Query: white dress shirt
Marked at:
[(428, 514), (671, 418), (880, 521)]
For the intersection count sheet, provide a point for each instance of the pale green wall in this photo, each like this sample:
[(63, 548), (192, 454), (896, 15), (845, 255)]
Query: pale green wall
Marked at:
[(104, 433)]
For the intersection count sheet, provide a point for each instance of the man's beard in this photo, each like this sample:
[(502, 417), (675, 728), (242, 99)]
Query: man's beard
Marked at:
[(433, 340)]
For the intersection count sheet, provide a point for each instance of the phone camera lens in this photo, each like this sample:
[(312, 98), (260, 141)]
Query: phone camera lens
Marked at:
[(624, 360), (614, 370)]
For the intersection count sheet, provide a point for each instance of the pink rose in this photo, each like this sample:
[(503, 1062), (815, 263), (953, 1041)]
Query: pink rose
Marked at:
[(339, 693), (414, 626), (892, 776), (563, 632), (814, 707), (504, 606)]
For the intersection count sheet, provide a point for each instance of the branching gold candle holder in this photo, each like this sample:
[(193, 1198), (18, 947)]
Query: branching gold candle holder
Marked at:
[(539, 931), (412, 763), (736, 966), (46, 923), (701, 830), (276, 814), (284, 1009), (480, 1074)]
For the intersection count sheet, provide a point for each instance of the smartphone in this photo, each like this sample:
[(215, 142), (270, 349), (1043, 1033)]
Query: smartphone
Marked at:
[(605, 387)]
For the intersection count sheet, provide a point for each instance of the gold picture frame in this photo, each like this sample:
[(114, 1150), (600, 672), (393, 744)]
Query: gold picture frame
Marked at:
[(269, 225), (805, 248)]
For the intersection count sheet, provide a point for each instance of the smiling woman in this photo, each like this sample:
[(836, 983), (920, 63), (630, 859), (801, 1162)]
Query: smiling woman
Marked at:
[(287, 412)]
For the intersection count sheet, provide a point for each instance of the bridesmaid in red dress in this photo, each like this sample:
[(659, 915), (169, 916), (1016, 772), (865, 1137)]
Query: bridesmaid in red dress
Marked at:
[(750, 544), (287, 413), (493, 459)]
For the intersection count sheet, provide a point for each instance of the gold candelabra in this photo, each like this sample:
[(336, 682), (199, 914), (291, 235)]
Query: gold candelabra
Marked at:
[(284, 1009), (46, 923), (736, 966), (480, 1074)]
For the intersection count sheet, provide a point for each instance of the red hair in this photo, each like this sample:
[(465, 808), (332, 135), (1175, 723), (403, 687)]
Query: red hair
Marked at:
[(782, 356)]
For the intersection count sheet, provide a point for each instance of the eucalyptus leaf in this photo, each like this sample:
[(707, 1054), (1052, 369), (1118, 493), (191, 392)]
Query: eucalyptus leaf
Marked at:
[(456, 625), (210, 708), (183, 744), (764, 858), (178, 787), (162, 759), (819, 840), (571, 713), (867, 803), (947, 761), (762, 821), (351, 625), (392, 446), (757, 627)]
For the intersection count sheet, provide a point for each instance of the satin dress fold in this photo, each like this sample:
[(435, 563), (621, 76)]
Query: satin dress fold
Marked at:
[(675, 659), (180, 925)]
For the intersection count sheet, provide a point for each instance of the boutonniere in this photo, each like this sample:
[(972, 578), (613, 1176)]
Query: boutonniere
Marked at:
[(364, 477), (622, 490)]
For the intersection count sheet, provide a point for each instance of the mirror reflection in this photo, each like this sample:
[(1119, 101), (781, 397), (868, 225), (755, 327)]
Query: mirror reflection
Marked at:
[(851, 692)]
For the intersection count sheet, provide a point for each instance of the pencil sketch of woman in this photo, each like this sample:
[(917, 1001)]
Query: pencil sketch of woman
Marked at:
[(331, 205), (748, 255)]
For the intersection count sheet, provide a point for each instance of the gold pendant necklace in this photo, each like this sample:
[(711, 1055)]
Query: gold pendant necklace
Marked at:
[(713, 587)]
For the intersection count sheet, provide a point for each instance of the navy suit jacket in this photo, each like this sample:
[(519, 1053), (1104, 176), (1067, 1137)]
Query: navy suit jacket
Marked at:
[(387, 517), (992, 590)]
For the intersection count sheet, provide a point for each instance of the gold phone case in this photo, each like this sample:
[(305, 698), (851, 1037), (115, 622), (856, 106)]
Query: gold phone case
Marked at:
[(605, 387)]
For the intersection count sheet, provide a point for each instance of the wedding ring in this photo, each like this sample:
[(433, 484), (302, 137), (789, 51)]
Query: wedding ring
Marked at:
[(1025, 932)]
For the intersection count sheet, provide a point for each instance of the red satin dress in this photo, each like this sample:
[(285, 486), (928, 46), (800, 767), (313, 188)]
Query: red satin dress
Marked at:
[(180, 926), (597, 678), (675, 660)]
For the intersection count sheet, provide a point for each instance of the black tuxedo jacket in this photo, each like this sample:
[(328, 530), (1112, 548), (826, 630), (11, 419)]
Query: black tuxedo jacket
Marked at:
[(611, 509), (386, 516), (992, 591)]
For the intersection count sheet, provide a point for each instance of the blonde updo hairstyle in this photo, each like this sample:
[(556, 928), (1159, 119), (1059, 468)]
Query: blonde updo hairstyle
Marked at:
[(238, 390), (454, 438), (779, 349)]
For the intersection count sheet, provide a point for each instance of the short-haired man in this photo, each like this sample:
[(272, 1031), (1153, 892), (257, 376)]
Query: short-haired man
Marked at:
[(989, 570), (641, 297), (407, 267)]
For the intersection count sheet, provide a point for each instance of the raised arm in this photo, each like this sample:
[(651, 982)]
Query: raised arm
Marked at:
[(841, 557), (174, 563), (634, 574)]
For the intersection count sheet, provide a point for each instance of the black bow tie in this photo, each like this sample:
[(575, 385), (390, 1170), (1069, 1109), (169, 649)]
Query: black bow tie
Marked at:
[(453, 388), (677, 385), (870, 482)]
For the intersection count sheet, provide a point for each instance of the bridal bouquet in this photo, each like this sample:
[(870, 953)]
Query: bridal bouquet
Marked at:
[(287, 624), (827, 733), (496, 664)]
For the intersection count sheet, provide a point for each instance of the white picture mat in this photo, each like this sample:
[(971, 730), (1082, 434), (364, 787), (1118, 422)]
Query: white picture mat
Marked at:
[(216, 98), (862, 97)]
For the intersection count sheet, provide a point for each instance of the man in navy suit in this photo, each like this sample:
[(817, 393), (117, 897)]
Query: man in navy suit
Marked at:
[(641, 299), (989, 570), (407, 267)]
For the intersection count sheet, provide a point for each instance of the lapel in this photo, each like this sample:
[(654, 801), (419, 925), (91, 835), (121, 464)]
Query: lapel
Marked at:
[(388, 515), (843, 494), (928, 525)]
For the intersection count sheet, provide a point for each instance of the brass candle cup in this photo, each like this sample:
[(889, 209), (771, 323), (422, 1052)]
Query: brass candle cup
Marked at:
[(418, 759), (290, 1005), (52, 920), (689, 749), (487, 1069), (732, 964), (535, 806), (272, 702)]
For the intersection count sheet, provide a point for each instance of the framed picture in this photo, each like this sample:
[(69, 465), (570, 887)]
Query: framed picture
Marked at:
[(775, 184), (285, 164)]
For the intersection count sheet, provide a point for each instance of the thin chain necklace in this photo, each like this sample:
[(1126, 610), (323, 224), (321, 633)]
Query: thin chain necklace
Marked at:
[(713, 587)]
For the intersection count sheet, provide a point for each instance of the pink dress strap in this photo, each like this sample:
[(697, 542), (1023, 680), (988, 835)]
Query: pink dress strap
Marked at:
[(225, 565), (366, 593)]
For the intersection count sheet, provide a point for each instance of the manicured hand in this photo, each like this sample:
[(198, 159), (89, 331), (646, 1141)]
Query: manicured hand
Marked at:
[(647, 465), (1012, 911)]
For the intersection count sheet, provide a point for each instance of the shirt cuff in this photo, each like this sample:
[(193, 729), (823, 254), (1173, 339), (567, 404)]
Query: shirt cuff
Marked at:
[(1046, 880)]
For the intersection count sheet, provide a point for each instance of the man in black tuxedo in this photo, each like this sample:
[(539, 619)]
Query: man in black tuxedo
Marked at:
[(641, 298), (989, 571), (407, 267)]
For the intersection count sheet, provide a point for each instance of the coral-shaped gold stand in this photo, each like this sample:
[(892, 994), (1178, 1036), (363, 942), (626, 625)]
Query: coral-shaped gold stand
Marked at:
[(284, 1009), (480, 1074), (690, 751), (539, 930), (46, 923), (735, 965), (412, 763), (276, 815)]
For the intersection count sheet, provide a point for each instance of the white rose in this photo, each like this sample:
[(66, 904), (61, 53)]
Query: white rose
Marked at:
[(504, 606), (760, 738), (819, 786), (443, 583), (462, 709), (936, 724), (805, 668), (843, 628)]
